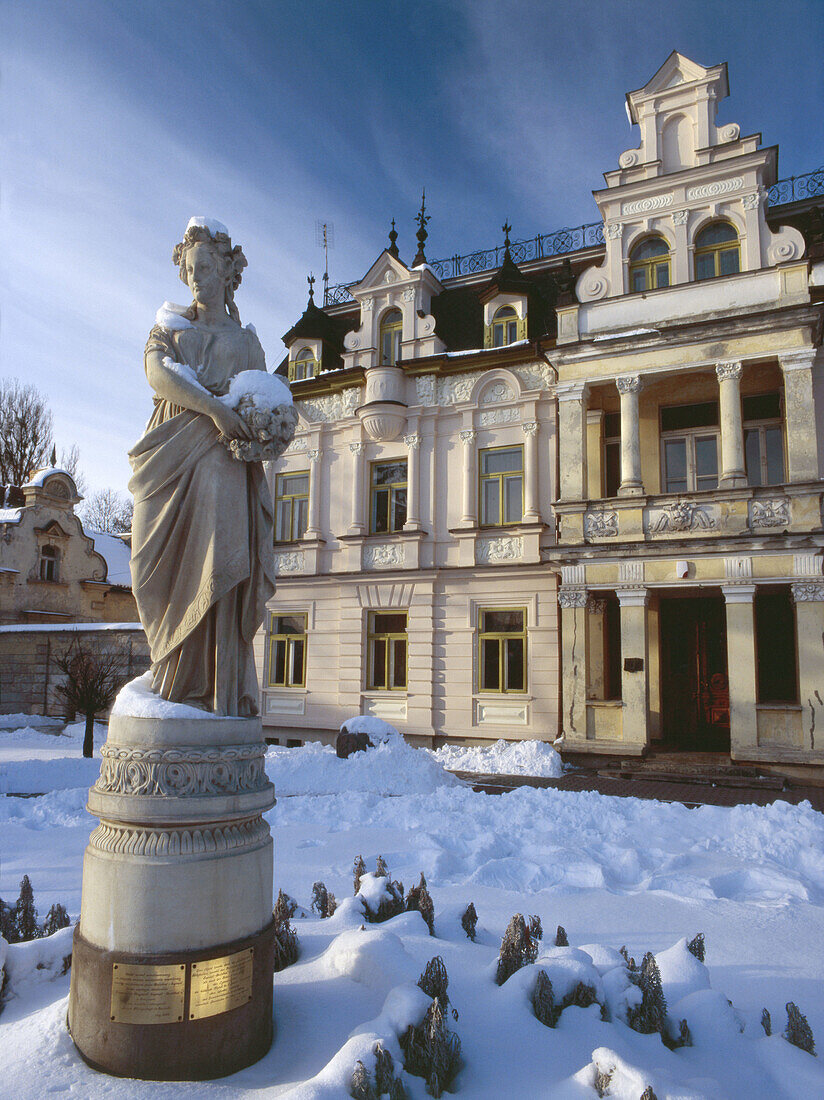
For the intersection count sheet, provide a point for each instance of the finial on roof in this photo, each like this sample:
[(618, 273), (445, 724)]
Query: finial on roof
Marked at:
[(310, 278), (507, 229), (421, 218), (393, 241)]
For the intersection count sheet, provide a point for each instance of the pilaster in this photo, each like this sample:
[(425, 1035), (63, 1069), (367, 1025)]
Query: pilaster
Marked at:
[(741, 665)]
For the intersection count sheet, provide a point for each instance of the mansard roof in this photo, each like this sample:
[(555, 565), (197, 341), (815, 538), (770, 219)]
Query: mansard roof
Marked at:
[(508, 279)]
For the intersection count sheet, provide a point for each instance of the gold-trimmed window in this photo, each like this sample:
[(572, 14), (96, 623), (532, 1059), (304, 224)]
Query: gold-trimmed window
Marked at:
[(386, 651), (387, 509), (504, 327), (390, 337), (287, 649), (717, 251), (304, 365), (291, 506), (649, 265), (501, 485), (502, 649)]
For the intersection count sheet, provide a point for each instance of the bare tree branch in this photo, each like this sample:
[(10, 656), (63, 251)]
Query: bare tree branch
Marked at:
[(25, 431), (94, 675), (107, 510)]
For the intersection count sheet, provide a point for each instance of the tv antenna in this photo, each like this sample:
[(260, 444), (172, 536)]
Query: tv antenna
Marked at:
[(325, 239)]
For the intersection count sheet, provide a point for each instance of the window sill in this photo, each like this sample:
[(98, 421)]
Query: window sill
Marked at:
[(388, 536), (503, 529)]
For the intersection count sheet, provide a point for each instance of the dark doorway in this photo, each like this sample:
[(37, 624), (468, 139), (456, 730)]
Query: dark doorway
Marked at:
[(695, 693)]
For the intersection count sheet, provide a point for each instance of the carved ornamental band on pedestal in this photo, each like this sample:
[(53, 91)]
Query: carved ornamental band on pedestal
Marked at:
[(173, 956)]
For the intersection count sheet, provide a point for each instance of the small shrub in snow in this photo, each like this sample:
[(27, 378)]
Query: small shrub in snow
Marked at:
[(358, 871), (696, 946), (323, 903), (650, 1016), (7, 922), (286, 938), (648, 1094), (362, 1086), (602, 1081), (432, 1051), (469, 921), (561, 939), (25, 913), (766, 1022), (56, 918), (543, 1002), (418, 900), (518, 949), (381, 868), (535, 928), (380, 902), (628, 959), (435, 981), (684, 1039), (798, 1031)]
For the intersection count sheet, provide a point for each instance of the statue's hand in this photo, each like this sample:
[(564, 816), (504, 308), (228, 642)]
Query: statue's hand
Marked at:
[(230, 424)]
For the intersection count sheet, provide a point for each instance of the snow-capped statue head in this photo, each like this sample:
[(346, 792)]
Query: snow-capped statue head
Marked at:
[(209, 265)]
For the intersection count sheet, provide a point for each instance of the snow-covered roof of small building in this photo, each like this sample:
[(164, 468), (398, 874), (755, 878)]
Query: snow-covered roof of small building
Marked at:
[(40, 476), (116, 554)]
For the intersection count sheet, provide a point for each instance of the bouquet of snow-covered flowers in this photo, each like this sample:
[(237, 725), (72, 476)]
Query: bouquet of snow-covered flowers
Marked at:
[(264, 401)]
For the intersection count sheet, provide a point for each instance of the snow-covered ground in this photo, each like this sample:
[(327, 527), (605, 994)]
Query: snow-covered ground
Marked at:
[(611, 871)]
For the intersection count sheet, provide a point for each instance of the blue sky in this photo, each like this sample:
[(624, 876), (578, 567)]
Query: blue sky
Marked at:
[(120, 120)]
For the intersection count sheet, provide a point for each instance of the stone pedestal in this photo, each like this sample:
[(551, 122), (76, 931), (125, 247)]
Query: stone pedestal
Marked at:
[(173, 961)]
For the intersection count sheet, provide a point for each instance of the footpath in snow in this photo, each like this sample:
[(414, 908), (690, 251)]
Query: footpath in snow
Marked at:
[(612, 871)]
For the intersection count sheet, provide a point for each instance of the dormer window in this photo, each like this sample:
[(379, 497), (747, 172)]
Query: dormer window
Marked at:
[(649, 265), (390, 335), (717, 251), (304, 365), (504, 327), (49, 557)]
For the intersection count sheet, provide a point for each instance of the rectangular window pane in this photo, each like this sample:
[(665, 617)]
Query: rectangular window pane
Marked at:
[(752, 453), (502, 622), (288, 624), (662, 275), (380, 510), (512, 334), (298, 658), (398, 661), (706, 458), (513, 500), (675, 465), (775, 646), (639, 281), (283, 527), (389, 623), (490, 672), (677, 418), (378, 663), (397, 342), (762, 406), (705, 266), (514, 664), (774, 441), (388, 473), (490, 502), (502, 462), (497, 336), (301, 518), (398, 509), (386, 347), (280, 661), (729, 261), (612, 468), (294, 486)]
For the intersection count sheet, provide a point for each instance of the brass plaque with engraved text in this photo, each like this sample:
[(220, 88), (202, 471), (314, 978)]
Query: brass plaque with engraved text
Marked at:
[(219, 985), (146, 994)]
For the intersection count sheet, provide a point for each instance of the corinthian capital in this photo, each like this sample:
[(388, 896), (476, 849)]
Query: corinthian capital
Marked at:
[(630, 383), (729, 370)]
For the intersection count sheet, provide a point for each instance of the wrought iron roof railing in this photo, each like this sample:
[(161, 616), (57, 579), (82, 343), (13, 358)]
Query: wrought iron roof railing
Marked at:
[(562, 241)]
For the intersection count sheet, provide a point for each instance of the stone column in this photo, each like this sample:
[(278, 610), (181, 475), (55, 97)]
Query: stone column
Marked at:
[(799, 412), (358, 523), (469, 516), (631, 485), (634, 647), (733, 469), (532, 512), (573, 604), (809, 623), (313, 529), (413, 478), (741, 668), (572, 438)]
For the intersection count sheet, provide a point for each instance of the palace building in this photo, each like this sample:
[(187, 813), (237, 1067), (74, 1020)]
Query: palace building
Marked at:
[(571, 485)]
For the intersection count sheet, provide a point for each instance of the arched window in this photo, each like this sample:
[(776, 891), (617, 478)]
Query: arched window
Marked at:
[(717, 251), (49, 556), (504, 327), (304, 365), (391, 327), (649, 265)]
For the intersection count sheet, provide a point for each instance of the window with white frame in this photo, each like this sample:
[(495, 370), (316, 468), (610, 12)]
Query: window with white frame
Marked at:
[(763, 439), (689, 447)]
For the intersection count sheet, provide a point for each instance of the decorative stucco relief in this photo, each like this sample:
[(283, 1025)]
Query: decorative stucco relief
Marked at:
[(331, 406), (647, 205), (491, 417), (601, 525), (181, 772), (535, 376), (496, 393), (296, 446), (163, 843), (774, 512), (453, 389), (713, 190), (292, 561), (572, 597), (682, 515), (503, 548), (807, 592), (384, 555)]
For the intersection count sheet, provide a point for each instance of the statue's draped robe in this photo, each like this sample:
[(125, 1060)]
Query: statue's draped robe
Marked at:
[(202, 563)]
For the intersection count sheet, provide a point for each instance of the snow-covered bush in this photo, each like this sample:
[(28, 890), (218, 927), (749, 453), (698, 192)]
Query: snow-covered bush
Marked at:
[(543, 1002), (358, 871), (287, 947), (798, 1031), (56, 918), (25, 914), (382, 1083), (432, 1051), (518, 948), (435, 982), (561, 938), (381, 896), (323, 903), (766, 1022), (418, 900), (469, 921), (651, 1014), (696, 946)]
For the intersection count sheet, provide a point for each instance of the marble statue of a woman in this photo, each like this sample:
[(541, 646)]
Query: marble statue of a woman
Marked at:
[(202, 563)]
